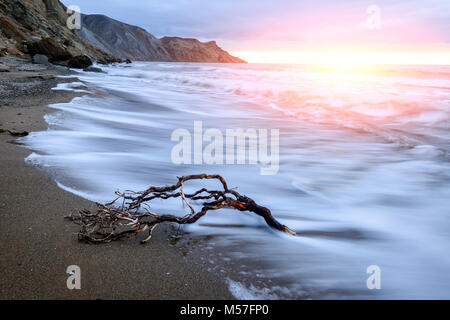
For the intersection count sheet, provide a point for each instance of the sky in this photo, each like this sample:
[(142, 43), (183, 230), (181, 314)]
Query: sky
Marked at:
[(355, 31)]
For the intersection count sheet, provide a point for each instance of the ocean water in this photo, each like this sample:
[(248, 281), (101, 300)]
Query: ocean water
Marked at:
[(364, 173)]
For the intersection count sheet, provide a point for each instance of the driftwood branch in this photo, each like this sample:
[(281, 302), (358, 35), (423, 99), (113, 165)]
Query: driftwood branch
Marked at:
[(111, 222), (14, 133)]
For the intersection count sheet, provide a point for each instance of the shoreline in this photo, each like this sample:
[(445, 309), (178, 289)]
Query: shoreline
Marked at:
[(38, 244)]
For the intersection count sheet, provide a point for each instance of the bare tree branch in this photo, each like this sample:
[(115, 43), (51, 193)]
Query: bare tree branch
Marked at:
[(109, 223)]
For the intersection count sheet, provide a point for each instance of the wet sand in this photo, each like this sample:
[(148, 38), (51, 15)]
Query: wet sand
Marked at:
[(37, 244)]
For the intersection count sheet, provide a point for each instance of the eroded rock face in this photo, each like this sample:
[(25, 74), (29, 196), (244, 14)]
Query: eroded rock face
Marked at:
[(130, 42), (122, 40), (10, 30), (192, 50), (39, 27)]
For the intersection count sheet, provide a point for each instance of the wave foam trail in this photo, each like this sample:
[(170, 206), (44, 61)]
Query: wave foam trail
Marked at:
[(364, 173)]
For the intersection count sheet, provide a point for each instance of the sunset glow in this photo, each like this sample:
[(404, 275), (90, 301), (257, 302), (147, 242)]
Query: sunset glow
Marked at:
[(302, 32), (346, 58)]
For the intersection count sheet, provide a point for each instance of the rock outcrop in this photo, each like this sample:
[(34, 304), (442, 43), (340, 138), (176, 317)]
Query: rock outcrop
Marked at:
[(29, 27), (122, 40), (49, 47), (192, 50), (79, 62)]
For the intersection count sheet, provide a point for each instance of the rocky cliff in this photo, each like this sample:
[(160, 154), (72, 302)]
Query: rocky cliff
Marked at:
[(192, 50), (130, 42), (122, 40), (39, 26), (30, 27)]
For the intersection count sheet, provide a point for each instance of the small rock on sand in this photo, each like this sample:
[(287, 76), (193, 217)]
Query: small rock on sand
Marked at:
[(93, 69), (80, 62), (40, 59)]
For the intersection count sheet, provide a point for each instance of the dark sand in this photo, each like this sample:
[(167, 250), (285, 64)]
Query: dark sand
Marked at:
[(37, 244)]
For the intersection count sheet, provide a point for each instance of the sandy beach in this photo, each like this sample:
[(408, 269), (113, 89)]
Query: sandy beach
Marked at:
[(37, 244)]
